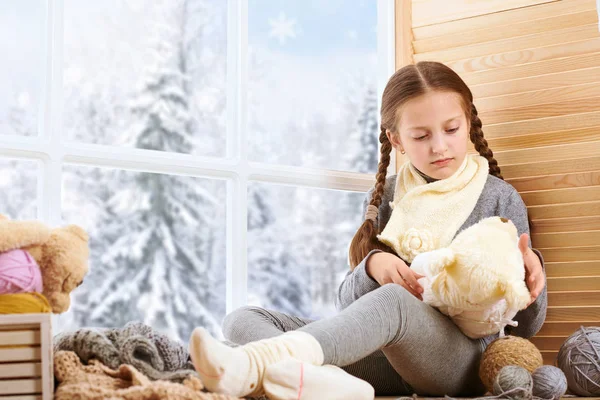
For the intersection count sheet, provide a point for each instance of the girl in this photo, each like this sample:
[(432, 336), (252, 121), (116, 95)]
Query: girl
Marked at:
[(384, 334)]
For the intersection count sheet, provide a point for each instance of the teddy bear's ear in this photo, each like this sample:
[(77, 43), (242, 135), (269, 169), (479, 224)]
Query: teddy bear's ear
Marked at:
[(440, 259), (516, 294), (77, 231), (19, 234)]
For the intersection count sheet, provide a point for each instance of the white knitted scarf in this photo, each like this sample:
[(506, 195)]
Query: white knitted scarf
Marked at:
[(426, 216)]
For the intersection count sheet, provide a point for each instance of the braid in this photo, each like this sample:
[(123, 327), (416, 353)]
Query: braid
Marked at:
[(365, 238), (481, 145), (384, 163)]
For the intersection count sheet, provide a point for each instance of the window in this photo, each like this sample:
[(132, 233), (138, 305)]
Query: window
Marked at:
[(216, 152)]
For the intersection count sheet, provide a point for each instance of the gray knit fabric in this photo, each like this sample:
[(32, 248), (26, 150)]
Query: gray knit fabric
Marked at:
[(424, 351), (136, 344)]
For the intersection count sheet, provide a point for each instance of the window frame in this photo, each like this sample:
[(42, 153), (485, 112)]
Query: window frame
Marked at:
[(52, 150)]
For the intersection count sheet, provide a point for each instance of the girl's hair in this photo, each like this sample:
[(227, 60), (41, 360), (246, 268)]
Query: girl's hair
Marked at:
[(407, 83)]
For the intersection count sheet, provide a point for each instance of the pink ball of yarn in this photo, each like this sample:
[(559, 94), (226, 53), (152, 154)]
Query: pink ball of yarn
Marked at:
[(19, 273)]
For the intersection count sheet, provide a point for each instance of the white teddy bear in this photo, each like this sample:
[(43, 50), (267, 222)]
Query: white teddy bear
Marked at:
[(479, 279)]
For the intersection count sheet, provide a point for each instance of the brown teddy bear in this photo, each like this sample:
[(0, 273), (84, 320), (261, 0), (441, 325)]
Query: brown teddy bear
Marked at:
[(61, 253)]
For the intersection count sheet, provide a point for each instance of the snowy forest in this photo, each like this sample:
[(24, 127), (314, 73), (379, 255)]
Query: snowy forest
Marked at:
[(155, 77)]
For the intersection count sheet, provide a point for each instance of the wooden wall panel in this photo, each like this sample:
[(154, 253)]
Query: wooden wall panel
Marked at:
[(534, 70)]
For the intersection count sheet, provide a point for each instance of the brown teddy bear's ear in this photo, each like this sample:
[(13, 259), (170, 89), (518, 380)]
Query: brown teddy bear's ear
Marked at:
[(77, 231), (19, 234)]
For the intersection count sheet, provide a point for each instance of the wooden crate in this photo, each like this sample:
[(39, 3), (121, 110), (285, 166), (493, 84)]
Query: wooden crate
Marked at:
[(26, 365)]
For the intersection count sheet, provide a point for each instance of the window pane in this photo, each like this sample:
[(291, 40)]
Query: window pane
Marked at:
[(18, 188), (312, 83), (145, 74), (157, 249), (23, 67), (298, 242)]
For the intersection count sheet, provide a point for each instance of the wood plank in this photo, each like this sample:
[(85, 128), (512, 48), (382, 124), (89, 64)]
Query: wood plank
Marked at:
[(524, 43), (544, 139), (572, 314), (24, 319), (549, 357), (587, 178), (566, 239), (437, 11), (579, 209), (526, 99), (563, 122), (538, 82), (47, 359), (549, 153), (543, 111), (20, 370), (21, 386), (19, 327), (545, 169), (511, 30), (23, 397), (559, 196), (572, 268), (566, 254), (518, 57), (565, 225), (532, 69), (551, 343), (20, 354), (27, 337), (404, 38), (525, 14), (564, 328), (574, 298), (578, 283)]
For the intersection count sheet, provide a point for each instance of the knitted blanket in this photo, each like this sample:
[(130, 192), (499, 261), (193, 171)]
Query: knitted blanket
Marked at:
[(136, 344), (96, 381)]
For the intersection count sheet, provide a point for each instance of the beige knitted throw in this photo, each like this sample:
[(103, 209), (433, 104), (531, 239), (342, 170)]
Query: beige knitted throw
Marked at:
[(96, 381)]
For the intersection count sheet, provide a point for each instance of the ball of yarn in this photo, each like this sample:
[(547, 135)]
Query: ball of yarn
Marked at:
[(514, 382), (579, 358), (508, 350), (549, 382), (24, 303), (19, 273)]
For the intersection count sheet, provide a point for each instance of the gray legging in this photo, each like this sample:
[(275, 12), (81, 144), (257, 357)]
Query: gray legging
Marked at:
[(389, 338)]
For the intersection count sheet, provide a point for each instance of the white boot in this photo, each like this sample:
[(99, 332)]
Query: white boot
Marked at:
[(239, 371), (296, 380)]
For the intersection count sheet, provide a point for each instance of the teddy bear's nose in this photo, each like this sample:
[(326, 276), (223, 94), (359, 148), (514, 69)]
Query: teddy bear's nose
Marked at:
[(504, 220)]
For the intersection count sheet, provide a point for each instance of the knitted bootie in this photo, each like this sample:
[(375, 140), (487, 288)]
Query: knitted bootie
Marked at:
[(296, 380), (239, 371)]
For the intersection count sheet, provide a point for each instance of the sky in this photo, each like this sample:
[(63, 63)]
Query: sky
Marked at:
[(313, 27), (320, 40)]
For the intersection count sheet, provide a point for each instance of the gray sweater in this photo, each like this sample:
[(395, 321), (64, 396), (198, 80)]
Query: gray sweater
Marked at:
[(498, 198)]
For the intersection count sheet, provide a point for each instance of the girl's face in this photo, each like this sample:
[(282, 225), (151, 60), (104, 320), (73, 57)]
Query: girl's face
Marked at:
[(434, 132)]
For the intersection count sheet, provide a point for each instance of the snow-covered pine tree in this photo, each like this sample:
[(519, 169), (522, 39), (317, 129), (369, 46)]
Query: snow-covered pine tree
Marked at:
[(367, 134), (276, 279), (18, 185), (155, 258)]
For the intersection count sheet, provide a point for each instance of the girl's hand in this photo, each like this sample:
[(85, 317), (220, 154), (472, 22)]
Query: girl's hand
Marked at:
[(389, 268), (534, 276)]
